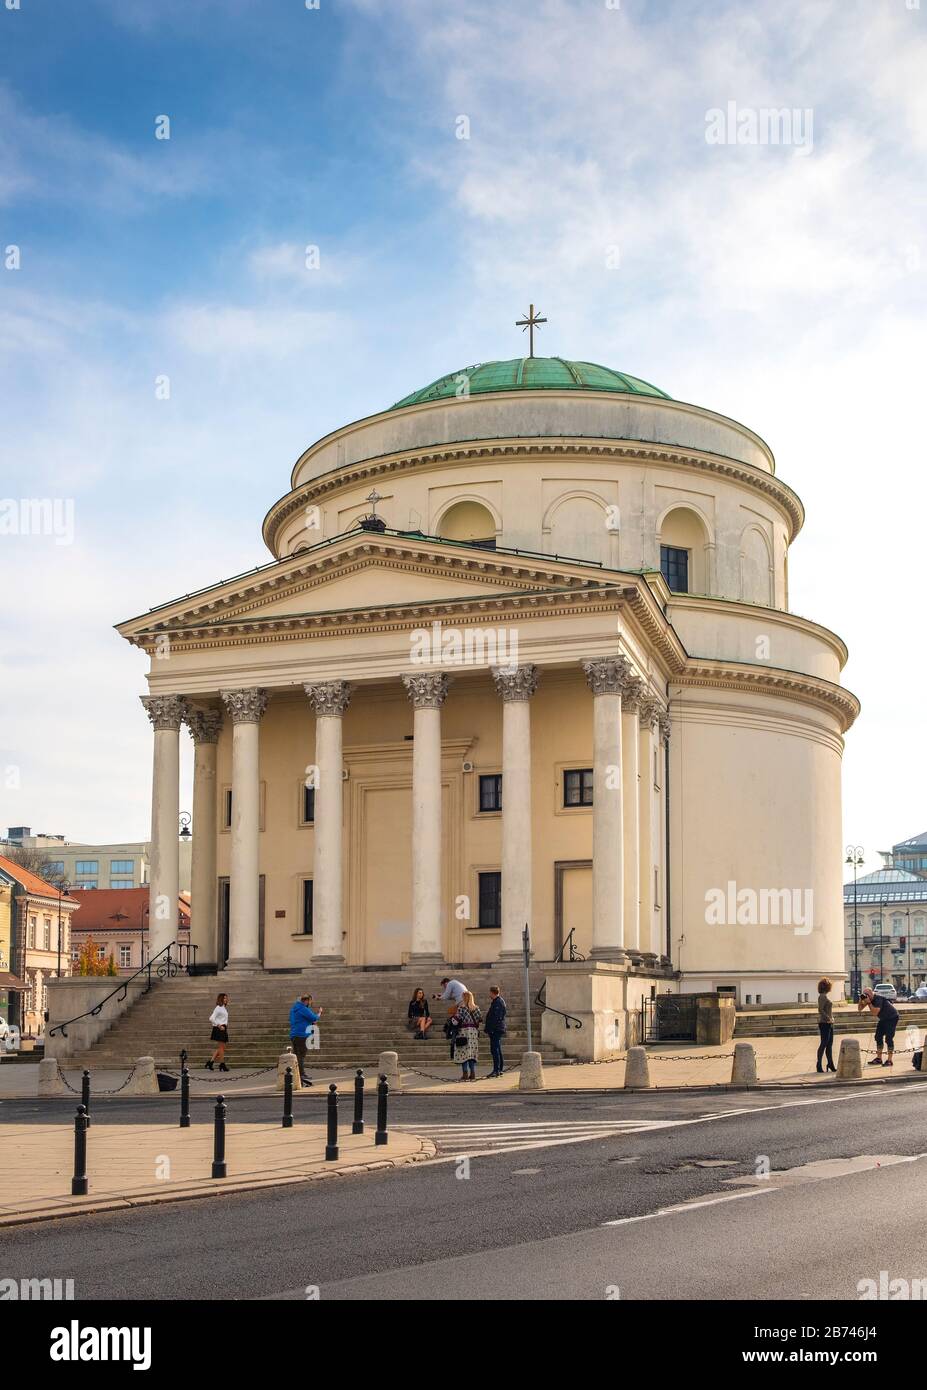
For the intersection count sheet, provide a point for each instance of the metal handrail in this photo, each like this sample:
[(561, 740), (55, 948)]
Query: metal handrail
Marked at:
[(574, 954), (166, 969), (570, 1018)]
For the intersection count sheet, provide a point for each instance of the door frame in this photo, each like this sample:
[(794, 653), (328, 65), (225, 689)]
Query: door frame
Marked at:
[(560, 868)]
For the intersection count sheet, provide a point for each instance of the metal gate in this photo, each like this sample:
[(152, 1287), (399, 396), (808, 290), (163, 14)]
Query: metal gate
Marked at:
[(669, 1018)]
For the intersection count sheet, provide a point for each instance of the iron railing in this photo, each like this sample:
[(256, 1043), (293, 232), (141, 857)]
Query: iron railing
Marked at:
[(162, 964)]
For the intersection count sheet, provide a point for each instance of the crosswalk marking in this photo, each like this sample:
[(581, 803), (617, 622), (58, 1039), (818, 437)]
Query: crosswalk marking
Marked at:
[(474, 1140)]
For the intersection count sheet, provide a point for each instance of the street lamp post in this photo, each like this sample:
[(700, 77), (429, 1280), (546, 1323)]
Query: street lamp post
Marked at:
[(855, 856), (907, 913), (63, 890)]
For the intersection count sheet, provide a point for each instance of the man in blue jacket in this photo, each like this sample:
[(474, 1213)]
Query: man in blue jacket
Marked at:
[(303, 1019), (494, 1028)]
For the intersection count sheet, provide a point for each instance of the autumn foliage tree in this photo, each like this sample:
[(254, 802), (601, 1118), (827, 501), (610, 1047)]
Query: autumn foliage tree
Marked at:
[(89, 962)]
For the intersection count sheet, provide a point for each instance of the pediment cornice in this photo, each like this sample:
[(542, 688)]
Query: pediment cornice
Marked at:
[(305, 573), (478, 451)]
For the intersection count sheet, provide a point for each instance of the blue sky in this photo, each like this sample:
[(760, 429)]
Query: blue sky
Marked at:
[(783, 286)]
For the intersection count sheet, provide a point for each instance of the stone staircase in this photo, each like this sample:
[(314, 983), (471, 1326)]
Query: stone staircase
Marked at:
[(792, 1023), (364, 1015)]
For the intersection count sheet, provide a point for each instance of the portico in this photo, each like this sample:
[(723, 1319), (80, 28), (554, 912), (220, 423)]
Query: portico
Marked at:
[(522, 655)]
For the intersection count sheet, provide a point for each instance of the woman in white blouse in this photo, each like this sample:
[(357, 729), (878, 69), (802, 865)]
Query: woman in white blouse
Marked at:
[(219, 1018)]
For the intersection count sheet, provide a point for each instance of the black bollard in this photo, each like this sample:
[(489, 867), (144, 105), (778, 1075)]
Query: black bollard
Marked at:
[(183, 1058), (331, 1147), (79, 1183), (358, 1125), (381, 1136), (219, 1169), (288, 1098), (85, 1095), (184, 1098)]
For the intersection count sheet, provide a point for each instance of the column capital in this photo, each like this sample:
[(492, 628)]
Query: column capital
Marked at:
[(204, 724), (649, 712), (632, 694), (165, 711), (245, 706), (428, 690), (515, 682), (665, 726), (607, 674), (329, 697)]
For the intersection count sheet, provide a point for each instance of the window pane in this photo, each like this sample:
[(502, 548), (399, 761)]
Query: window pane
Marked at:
[(675, 566), (490, 900), (309, 804), (307, 907)]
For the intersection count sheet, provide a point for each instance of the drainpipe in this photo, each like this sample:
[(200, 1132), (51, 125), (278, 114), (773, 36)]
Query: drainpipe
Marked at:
[(667, 894)]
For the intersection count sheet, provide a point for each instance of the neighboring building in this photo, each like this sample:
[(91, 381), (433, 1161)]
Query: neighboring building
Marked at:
[(117, 919), (911, 855), (891, 938), (125, 864), (38, 951), (8, 982), (543, 671)]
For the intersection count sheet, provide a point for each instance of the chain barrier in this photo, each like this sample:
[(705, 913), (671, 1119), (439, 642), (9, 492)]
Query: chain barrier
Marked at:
[(114, 1092)]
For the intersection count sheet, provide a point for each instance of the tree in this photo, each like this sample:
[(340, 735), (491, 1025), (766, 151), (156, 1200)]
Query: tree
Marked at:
[(35, 861), (89, 962)]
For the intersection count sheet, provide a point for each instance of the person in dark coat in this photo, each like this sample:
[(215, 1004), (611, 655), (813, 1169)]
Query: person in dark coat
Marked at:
[(495, 1028)]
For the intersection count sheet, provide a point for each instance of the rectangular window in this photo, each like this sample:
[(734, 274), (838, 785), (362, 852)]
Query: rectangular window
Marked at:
[(227, 808), (125, 956), (31, 940), (309, 805), (46, 934), (307, 907), (490, 910), (122, 866), (55, 868), (89, 883), (491, 792), (120, 883), (577, 787), (87, 866), (101, 953), (675, 566)]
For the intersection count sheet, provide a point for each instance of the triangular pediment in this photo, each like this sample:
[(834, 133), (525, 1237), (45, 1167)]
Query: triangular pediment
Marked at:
[(363, 570)]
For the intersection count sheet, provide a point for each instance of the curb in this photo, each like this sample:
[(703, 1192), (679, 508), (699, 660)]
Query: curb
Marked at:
[(229, 1187)]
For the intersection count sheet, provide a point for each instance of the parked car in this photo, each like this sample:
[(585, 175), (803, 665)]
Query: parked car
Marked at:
[(920, 992), (886, 990)]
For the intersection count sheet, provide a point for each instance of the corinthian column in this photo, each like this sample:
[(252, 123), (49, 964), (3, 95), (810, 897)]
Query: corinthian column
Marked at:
[(606, 677), (647, 817), (204, 726), (427, 692), (165, 713), (631, 697), (663, 948), (516, 688), (246, 708), (329, 700)]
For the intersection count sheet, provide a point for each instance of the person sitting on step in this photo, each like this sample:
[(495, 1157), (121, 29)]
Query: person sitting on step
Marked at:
[(420, 1019)]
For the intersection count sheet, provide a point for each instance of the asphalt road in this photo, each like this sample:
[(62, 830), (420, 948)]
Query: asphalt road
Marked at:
[(530, 1218)]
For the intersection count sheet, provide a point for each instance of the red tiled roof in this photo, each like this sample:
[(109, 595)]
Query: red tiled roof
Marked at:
[(31, 882), (114, 909)]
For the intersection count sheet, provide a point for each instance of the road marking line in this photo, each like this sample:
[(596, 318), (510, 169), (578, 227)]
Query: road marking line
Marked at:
[(691, 1206)]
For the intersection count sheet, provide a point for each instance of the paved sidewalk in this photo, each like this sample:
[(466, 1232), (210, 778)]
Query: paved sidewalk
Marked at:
[(781, 1061), (134, 1165)]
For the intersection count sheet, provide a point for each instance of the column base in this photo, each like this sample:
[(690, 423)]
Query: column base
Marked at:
[(426, 960), (635, 957), (650, 959), (325, 960), (617, 954), (516, 956), (247, 965)]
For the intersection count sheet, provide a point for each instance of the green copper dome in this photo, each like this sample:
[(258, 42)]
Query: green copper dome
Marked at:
[(532, 374)]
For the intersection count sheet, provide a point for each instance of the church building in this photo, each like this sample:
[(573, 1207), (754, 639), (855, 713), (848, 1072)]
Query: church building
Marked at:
[(522, 654)]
